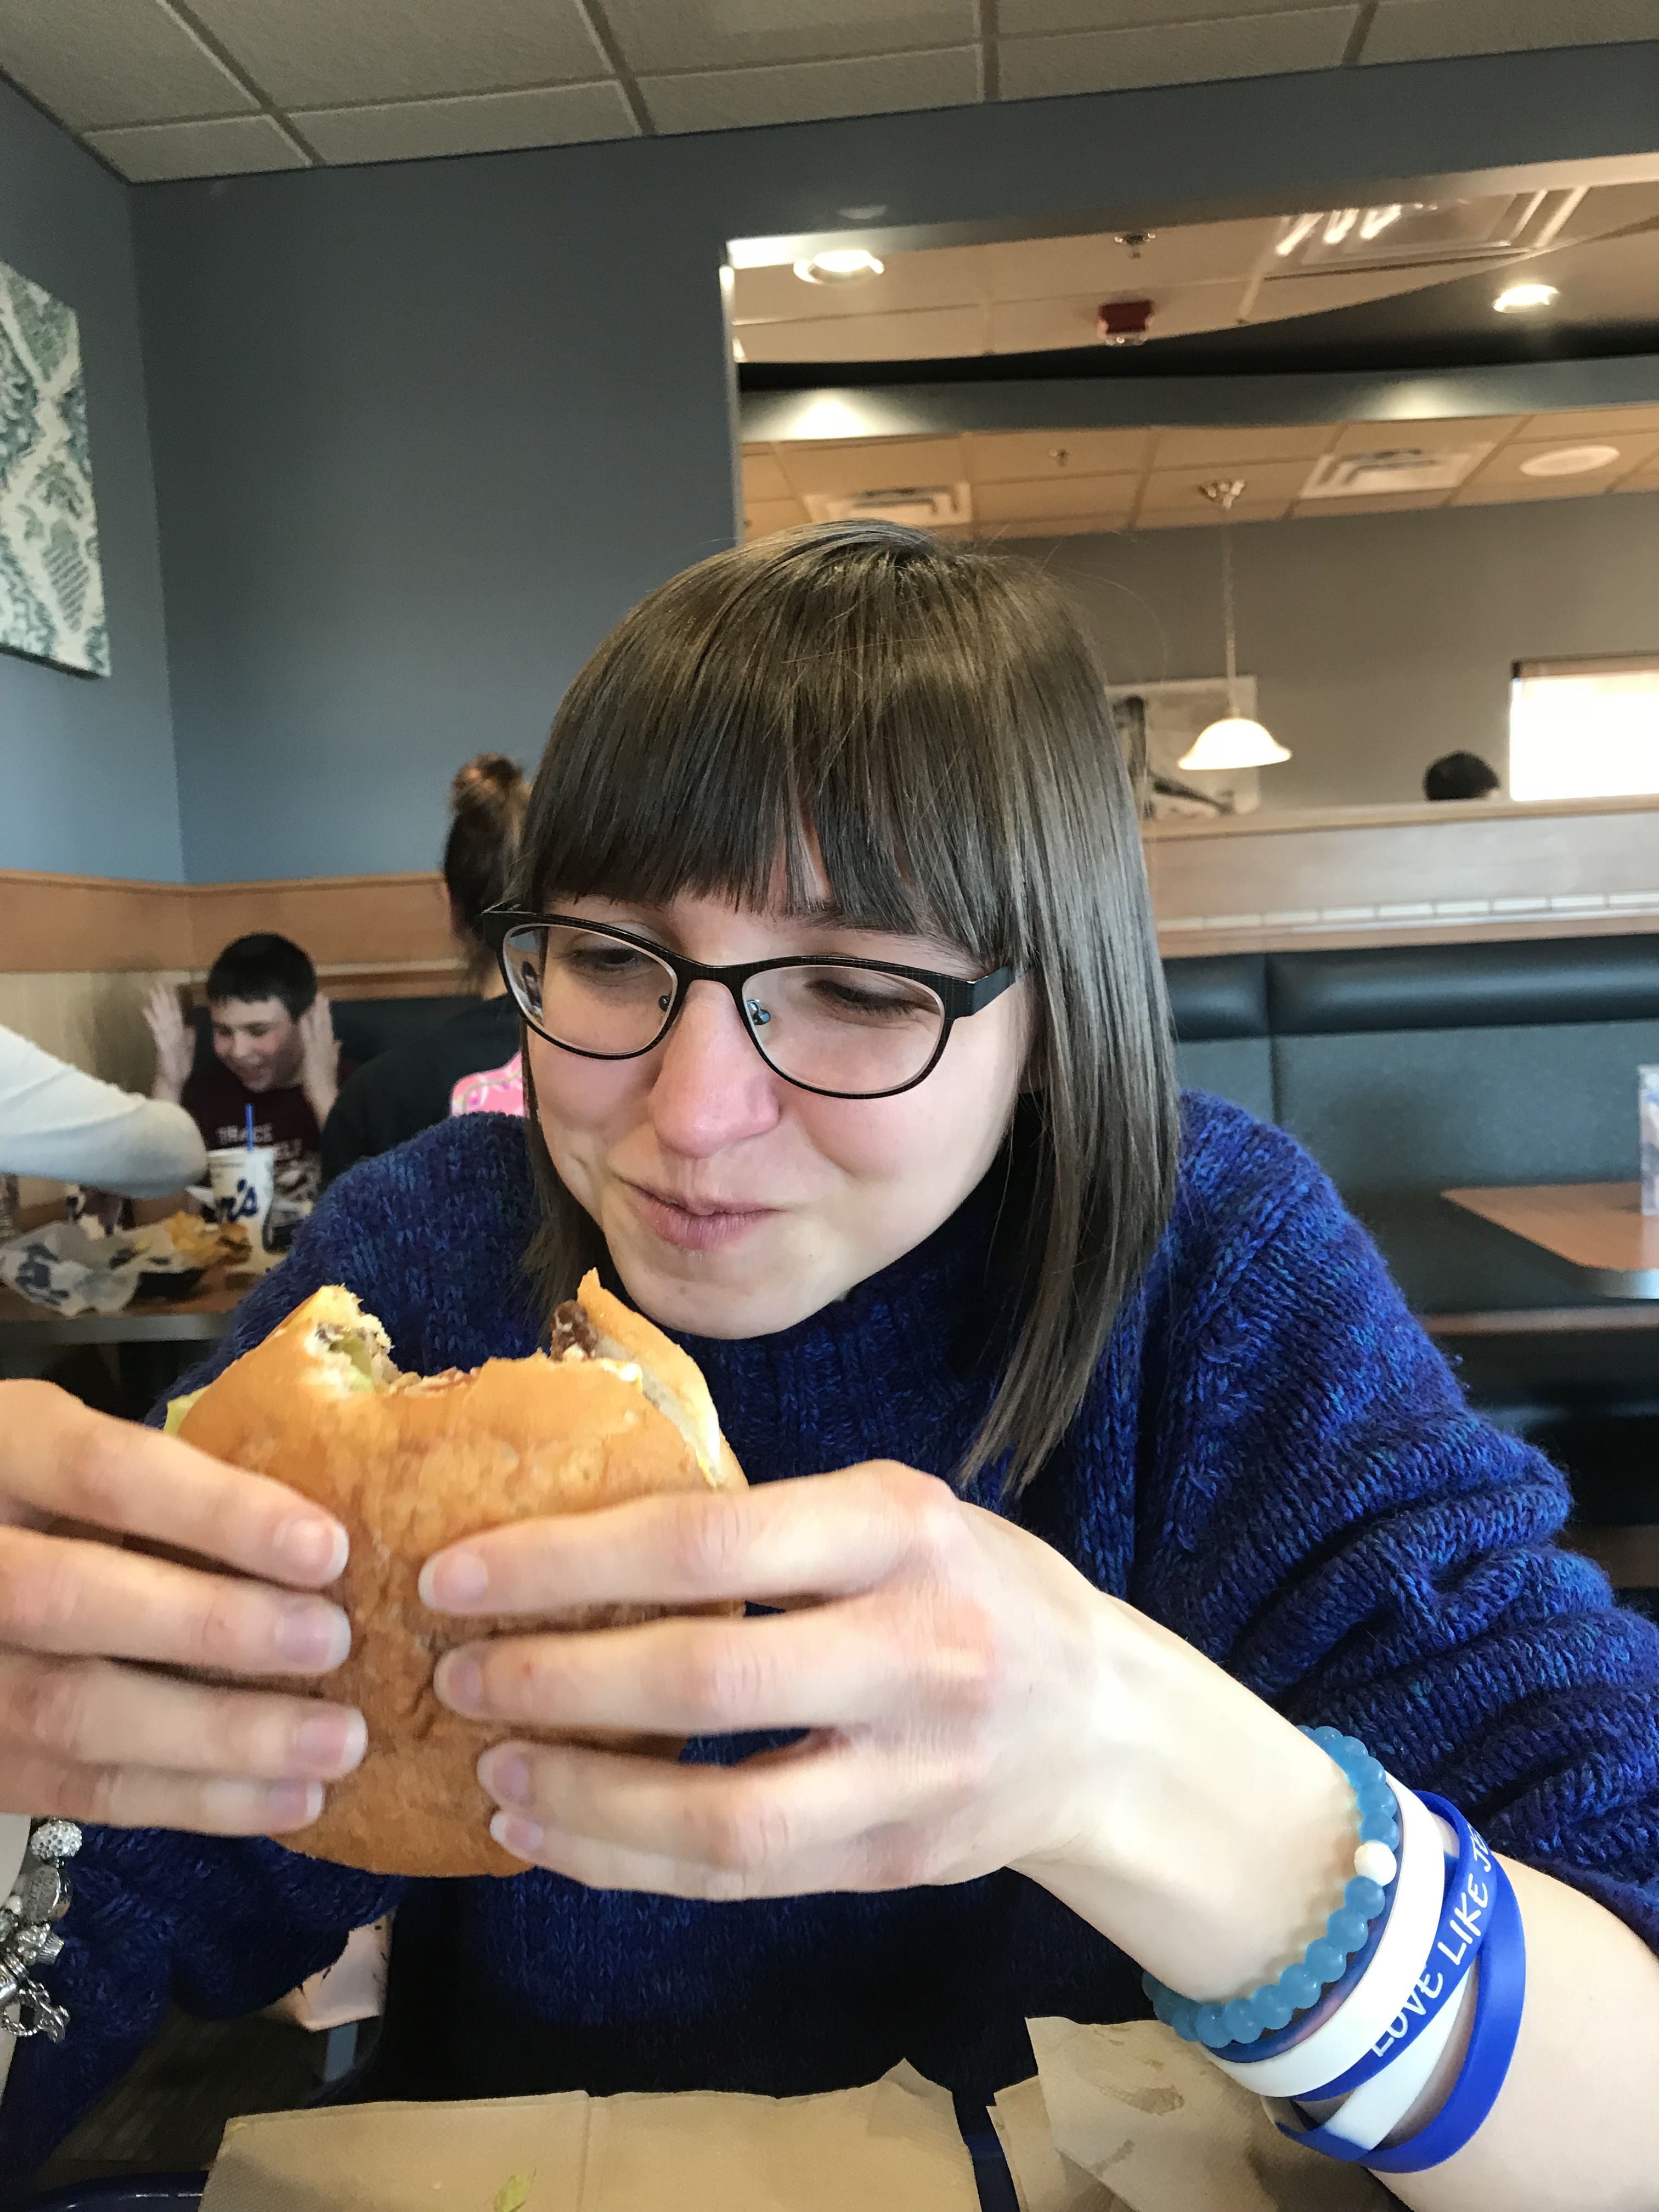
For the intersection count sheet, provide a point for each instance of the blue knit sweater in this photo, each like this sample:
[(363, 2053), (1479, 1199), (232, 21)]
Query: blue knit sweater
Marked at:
[(1274, 1460)]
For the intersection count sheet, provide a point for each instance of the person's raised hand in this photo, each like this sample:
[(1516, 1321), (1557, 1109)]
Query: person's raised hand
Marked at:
[(88, 1729), (175, 1044), (320, 1058)]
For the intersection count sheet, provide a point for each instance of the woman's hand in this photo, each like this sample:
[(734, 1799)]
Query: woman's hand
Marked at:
[(175, 1044), (973, 1702), (85, 1735)]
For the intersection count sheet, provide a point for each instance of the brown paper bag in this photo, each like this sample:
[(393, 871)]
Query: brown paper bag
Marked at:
[(891, 2146), (1150, 2116), (1044, 2178)]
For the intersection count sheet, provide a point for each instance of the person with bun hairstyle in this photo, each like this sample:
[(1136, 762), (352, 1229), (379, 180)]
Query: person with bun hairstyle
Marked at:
[(404, 1091), (1093, 1458)]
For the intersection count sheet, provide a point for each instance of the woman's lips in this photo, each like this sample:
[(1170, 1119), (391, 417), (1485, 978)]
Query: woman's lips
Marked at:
[(695, 1228)]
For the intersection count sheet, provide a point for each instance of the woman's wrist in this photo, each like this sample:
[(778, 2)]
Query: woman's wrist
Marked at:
[(1210, 1839)]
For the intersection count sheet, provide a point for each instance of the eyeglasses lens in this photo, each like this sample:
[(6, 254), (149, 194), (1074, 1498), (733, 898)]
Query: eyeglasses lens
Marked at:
[(853, 1031)]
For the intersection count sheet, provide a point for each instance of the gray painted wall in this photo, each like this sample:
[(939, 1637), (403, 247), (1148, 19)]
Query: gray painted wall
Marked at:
[(1378, 642), (86, 784), (423, 432)]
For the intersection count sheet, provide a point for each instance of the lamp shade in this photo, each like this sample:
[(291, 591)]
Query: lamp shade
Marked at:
[(1234, 742)]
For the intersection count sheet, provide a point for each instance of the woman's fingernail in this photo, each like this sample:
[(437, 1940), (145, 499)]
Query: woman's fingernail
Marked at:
[(332, 1743), (506, 1775), (292, 1804), (454, 1579), (460, 1683), (524, 1839), (309, 1546), (313, 1634)]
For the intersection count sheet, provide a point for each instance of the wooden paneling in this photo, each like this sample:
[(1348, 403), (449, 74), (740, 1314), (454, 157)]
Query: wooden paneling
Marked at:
[(370, 936), (1381, 875)]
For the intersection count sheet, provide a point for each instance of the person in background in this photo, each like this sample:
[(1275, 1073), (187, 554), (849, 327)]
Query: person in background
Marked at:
[(274, 1048), (1459, 776), (409, 1087), (56, 1121)]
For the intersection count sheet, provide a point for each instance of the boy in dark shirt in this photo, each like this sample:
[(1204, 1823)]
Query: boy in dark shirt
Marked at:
[(274, 1049)]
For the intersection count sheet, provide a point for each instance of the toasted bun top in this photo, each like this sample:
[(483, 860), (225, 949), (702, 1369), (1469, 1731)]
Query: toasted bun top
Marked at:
[(411, 1465)]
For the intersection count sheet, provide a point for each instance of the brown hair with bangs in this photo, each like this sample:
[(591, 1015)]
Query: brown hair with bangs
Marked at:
[(930, 714)]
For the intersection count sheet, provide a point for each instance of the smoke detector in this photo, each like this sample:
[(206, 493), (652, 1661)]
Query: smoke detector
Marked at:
[(924, 506), (1123, 322), (1393, 468)]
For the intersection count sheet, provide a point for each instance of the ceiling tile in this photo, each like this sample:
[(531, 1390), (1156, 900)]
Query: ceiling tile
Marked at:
[(1264, 483), (1379, 502), (1185, 253), (714, 34), (1644, 480), (477, 123), (327, 53), (939, 333), (1410, 30), (763, 478), (873, 466), (1017, 19), (1055, 526), (1508, 464), (939, 276), (100, 63), (1226, 450), (1176, 53), (1051, 497), (1481, 493), (1436, 437), (802, 92), (1590, 422), (1005, 456), (761, 517), (1203, 516), (237, 145)]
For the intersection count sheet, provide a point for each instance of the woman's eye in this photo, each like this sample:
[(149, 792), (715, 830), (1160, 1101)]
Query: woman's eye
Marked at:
[(860, 1001)]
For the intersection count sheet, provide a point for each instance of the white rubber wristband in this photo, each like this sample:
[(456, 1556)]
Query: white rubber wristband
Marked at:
[(1376, 1997), (1376, 2107)]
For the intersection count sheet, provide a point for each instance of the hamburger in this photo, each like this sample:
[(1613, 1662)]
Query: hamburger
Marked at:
[(410, 1463)]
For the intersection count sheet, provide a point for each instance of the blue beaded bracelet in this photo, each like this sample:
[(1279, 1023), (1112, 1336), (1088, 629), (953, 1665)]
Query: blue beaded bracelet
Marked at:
[(1367, 1896)]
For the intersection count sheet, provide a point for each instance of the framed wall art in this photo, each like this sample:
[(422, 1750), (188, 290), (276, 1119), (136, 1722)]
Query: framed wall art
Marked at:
[(51, 586)]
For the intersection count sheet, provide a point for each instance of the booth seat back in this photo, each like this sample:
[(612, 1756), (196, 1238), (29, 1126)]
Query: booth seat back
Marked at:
[(1409, 1069)]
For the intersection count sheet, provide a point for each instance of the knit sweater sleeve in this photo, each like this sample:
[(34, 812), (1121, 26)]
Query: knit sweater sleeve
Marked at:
[(1327, 1518)]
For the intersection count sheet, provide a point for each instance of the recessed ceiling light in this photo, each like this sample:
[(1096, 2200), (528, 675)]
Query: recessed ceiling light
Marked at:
[(1518, 298), (842, 265), (1569, 460)]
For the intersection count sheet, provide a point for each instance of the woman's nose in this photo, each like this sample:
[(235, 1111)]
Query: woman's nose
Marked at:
[(712, 1088)]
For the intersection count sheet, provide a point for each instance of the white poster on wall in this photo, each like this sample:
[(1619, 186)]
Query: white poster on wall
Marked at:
[(1159, 723)]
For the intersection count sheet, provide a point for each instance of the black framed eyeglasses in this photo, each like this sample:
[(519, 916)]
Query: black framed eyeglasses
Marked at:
[(844, 1028)]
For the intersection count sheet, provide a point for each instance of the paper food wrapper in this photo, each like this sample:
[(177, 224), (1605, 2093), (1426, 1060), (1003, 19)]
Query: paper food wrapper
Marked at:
[(1147, 2120), (891, 2146)]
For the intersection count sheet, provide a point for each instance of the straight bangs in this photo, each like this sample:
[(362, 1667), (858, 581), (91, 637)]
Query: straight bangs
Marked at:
[(927, 720)]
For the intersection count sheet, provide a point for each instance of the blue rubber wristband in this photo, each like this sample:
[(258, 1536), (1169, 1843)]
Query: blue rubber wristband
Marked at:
[(1500, 1999), (1464, 1918)]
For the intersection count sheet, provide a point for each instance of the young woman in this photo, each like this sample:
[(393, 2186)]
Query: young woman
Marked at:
[(1091, 1449), (397, 1094)]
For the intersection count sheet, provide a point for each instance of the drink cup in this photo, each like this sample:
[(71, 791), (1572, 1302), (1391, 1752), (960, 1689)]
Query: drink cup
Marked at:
[(243, 1182)]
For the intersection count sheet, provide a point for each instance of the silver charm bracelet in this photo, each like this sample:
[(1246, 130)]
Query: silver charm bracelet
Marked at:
[(40, 1896)]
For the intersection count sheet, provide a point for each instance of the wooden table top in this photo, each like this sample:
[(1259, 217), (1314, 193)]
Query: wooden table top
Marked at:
[(199, 1319), (1598, 1228)]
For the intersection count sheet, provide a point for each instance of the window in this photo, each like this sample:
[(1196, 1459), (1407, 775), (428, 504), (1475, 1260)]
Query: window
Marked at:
[(1584, 729)]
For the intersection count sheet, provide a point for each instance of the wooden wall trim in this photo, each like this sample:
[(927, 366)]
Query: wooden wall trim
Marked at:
[(1423, 875)]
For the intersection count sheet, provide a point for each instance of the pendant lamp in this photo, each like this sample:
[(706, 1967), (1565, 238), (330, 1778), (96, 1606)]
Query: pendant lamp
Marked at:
[(1235, 741)]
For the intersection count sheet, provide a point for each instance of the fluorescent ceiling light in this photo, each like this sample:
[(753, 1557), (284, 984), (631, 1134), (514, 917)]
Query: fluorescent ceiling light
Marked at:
[(840, 264), (1378, 220), (1341, 222), (1570, 460), (1518, 298)]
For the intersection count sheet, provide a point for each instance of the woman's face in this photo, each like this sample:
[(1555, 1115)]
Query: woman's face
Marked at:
[(733, 1203)]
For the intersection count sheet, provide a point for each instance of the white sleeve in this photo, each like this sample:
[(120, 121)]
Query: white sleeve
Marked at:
[(56, 1122)]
